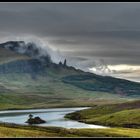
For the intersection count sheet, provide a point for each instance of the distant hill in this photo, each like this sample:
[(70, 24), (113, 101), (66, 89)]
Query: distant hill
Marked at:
[(28, 76)]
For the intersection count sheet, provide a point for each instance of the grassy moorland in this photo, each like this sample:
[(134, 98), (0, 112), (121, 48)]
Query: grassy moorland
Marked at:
[(9, 130), (11, 101), (23, 85), (120, 115), (124, 119)]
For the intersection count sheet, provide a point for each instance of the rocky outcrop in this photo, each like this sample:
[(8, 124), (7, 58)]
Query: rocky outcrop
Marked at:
[(36, 120)]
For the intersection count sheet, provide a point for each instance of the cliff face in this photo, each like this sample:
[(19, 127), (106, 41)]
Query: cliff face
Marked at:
[(35, 59), (22, 66)]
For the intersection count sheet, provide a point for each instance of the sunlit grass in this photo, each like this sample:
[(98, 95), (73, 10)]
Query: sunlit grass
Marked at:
[(21, 131)]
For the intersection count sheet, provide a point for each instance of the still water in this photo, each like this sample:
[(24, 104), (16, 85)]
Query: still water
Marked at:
[(53, 117)]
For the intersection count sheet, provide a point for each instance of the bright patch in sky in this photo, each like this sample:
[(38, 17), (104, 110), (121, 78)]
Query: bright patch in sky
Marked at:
[(130, 72), (116, 68), (123, 67)]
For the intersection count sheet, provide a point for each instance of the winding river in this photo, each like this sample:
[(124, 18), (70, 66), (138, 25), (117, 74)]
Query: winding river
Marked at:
[(53, 117)]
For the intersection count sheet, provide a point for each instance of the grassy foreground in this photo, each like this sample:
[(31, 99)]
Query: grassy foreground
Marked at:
[(8, 130), (124, 117)]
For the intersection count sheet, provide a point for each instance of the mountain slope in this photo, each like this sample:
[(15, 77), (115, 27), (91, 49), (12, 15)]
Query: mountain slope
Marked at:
[(104, 84), (28, 76)]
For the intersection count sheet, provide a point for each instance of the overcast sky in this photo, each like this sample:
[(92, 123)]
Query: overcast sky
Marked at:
[(103, 38)]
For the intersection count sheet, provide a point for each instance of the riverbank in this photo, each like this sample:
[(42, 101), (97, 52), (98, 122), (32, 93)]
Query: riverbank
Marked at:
[(52, 117), (125, 115)]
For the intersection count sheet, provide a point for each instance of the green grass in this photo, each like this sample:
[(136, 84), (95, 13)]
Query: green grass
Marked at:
[(108, 132), (11, 130), (23, 83), (46, 100), (41, 93), (14, 132), (126, 118), (122, 115)]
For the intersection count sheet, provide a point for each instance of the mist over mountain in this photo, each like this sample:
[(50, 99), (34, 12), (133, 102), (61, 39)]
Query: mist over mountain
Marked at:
[(30, 49), (27, 71), (37, 58)]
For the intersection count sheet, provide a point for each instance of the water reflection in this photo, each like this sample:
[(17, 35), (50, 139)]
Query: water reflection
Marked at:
[(53, 117)]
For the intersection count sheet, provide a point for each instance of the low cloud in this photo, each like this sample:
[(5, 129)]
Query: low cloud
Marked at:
[(84, 33)]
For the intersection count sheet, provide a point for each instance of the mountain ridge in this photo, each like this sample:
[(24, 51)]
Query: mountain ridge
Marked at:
[(40, 78)]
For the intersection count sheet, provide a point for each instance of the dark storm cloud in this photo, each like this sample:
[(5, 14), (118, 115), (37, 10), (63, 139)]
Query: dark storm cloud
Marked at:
[(84, 32)]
